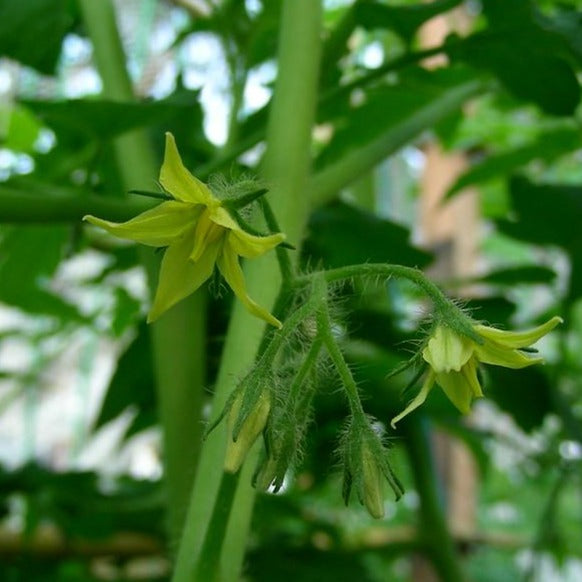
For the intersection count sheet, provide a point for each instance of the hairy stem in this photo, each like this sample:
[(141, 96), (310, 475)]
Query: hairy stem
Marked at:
[(445, 308)]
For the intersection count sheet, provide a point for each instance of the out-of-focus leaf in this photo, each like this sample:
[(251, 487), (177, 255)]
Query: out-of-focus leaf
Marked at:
[(493, 310), (405, 20), (132, 386), (548, 214), (401, 111), (525, 394), (126, 311), (340, 234), (101, 119), (32, 31), (534, 66), (547, 147), (567, 22), (75, 503), (29, 255), (528, 274), (542, 78), (22, 128)]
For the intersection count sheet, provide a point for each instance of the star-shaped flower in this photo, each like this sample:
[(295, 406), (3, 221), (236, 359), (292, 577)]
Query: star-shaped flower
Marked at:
[(453, 360), (198, 232)]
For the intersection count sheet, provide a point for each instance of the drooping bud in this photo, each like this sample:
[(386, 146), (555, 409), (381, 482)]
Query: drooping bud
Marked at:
[(372, 484), (244, 427), (366, 467)]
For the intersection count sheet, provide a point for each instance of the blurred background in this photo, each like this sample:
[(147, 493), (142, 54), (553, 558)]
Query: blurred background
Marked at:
[(469, 115)]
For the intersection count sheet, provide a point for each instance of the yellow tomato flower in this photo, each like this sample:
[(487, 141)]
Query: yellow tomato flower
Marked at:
[(198, 233), (453, 360)]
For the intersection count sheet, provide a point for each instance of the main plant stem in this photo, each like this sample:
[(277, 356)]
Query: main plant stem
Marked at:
[(178, 338), (285, 170)]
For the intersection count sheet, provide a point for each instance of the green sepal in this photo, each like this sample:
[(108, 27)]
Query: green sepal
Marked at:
[(244, 200)]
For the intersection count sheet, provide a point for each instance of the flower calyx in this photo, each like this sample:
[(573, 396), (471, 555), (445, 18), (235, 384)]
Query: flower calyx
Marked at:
[(366, 467)]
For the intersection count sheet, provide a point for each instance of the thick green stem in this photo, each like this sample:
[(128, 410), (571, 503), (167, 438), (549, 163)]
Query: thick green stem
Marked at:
[(208, 568), (178, 337), (285, 170), (24, 207), (433, 531)]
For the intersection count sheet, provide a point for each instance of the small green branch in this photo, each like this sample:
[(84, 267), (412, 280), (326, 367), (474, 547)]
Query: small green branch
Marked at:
[(324, 329), (287, 271), (299, 380)]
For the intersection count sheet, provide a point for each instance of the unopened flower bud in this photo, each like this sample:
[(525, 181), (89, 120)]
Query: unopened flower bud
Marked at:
[(372, 477), (239, 444)]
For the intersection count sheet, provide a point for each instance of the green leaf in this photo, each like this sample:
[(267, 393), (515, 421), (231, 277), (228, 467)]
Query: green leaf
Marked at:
[(391, 118), (101, 119), (567, 22), (28, 258), (548, 214), (525, 394), (405, 20), (340, 234), (550, 145), (545, 213), (132, 385), (23, 128), (32, 31), (529, 274), (534, 66)]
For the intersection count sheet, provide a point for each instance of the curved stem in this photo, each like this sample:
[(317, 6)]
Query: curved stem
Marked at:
[(445, 308)]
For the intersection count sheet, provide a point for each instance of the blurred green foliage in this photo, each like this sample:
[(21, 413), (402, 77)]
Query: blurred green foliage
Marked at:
[(521, 134)]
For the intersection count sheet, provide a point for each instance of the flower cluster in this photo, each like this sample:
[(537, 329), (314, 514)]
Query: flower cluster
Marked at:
[(198, 232)]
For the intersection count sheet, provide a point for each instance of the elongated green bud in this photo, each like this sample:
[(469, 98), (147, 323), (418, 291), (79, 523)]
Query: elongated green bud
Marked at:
[(252, 425), (372, 481)]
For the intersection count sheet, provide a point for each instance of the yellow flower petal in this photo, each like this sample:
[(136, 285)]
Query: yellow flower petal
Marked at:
[(447, 350), (417, 401), (207, 232), (461, 387), (177, 180), (251, 246), (232, 272), (220, 216), (157, 227), (179, 277), (518, 339), (498, 355)]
